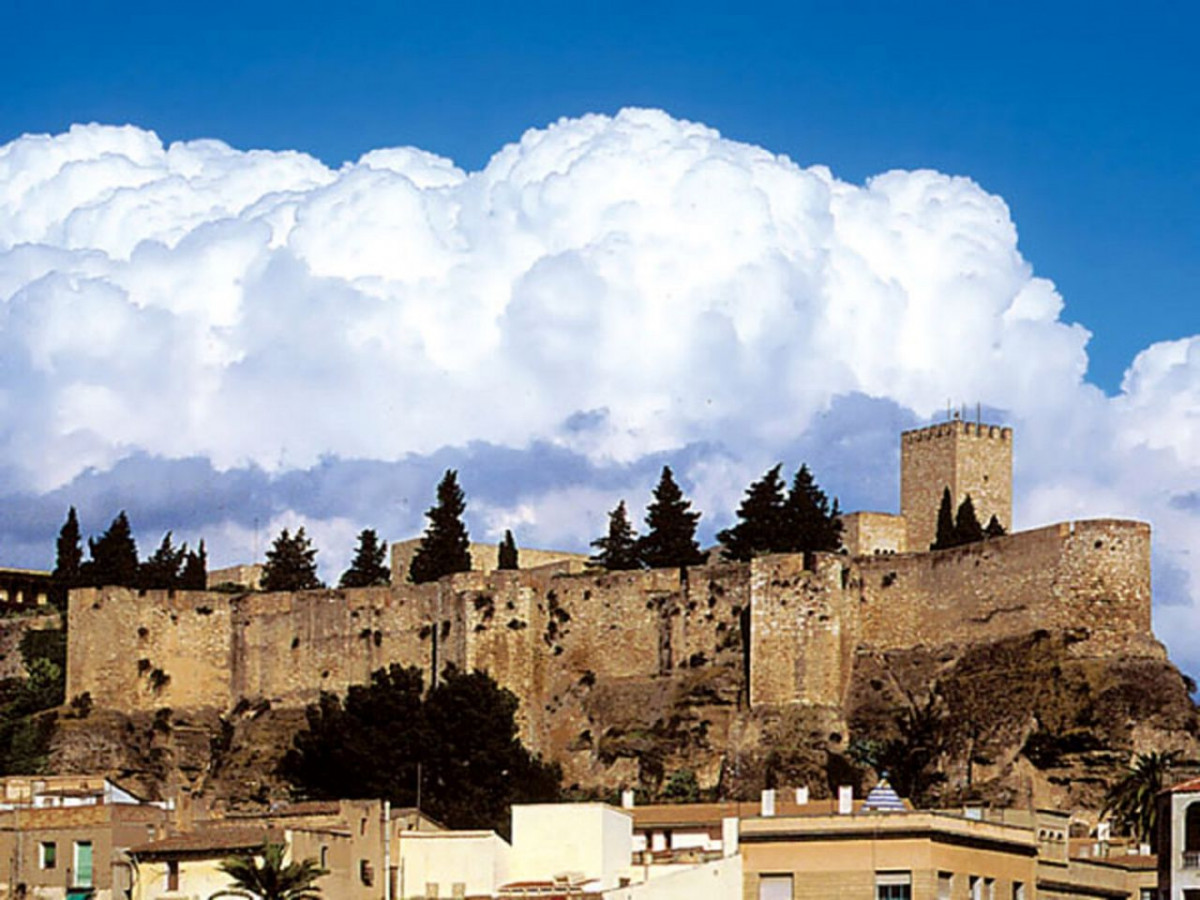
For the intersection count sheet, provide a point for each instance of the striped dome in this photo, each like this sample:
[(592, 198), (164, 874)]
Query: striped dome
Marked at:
[(883, 799)]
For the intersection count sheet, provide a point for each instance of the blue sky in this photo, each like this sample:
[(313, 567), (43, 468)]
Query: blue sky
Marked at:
[(1086, 123)]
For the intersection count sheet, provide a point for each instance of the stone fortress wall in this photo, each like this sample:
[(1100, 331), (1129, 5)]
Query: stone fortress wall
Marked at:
[(535, 631), (789, 625)]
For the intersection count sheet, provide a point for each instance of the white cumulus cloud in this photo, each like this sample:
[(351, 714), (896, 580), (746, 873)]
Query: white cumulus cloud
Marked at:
[(618, 287)]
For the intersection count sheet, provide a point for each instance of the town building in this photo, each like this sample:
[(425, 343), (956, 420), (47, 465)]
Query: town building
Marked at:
[(1179, 841), (63, 837)]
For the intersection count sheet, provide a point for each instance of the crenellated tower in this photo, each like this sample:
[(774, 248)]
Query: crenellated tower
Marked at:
[(967, 457)]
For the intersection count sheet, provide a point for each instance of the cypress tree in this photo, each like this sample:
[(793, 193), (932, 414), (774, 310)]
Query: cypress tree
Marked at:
[(162, 570), (506, 552), (670, 538), (114, 557), (994, 528), (812, 524), (367, 569), (947, 536), (762, 525), (291, 563), (966, 524), (195, 569), (618, 550), (445, 546), (68, 559)]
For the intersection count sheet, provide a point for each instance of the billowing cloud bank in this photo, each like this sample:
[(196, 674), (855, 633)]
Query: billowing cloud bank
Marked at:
[(232, 338)]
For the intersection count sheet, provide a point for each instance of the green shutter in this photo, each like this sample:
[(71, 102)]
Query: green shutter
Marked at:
[(83, 863)]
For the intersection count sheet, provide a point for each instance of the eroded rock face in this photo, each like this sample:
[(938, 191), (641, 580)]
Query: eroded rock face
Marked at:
[(1026, 720), (1020, 721)]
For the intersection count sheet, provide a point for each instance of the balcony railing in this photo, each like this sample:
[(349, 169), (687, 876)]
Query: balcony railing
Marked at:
[(1191, 859)]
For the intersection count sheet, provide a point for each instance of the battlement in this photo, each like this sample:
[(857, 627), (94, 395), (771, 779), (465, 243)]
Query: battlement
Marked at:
[(957, 428)]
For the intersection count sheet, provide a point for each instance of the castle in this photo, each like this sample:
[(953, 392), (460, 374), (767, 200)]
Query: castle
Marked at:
[(789, 626)]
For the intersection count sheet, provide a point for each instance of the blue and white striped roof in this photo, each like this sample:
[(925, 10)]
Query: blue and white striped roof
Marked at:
[(883, 799)]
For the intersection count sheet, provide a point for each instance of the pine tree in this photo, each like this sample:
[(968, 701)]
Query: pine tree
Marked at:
[(69, 559), (114, 557), (812, 524), (762, 525), (946, 535), (195, 569), (162, 570), (291, 564), (670, 538), (445, 546), (506, 552), (966, 524), (994, 528), (367, 569), (618, 550)]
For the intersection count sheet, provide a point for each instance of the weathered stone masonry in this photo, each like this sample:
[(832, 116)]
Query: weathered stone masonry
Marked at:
[(536, 631)]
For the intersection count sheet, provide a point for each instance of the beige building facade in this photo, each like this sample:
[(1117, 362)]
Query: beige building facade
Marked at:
[(64, 837)]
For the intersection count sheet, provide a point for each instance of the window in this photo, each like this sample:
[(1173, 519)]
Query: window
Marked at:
[(173, 875), (893, 886), (324, 856), (1018, 891), (83, 864), (975, 883), (775, 887), (945, 885), (366, 872), (48, 856), (989, 889)]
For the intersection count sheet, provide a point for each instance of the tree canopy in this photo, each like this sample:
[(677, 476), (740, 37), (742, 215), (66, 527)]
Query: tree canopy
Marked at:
[(762, 520), (267, 876), (803, 521), (813, 524), (460, 740), (1132, 801), (962, 527), (506, 552), (966, 523), (445, 546), (670, 538), (165, 567), (291, 563), (194, 576), (945, 536), (369, 567), (114, 556), (618, 550), (68, 558)]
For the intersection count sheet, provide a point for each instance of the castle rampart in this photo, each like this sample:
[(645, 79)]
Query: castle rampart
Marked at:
[(786, 627), (1091, 576)]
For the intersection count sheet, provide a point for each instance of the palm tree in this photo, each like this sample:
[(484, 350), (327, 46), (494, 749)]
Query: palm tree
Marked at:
[(1133, 800), (273, 879)]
